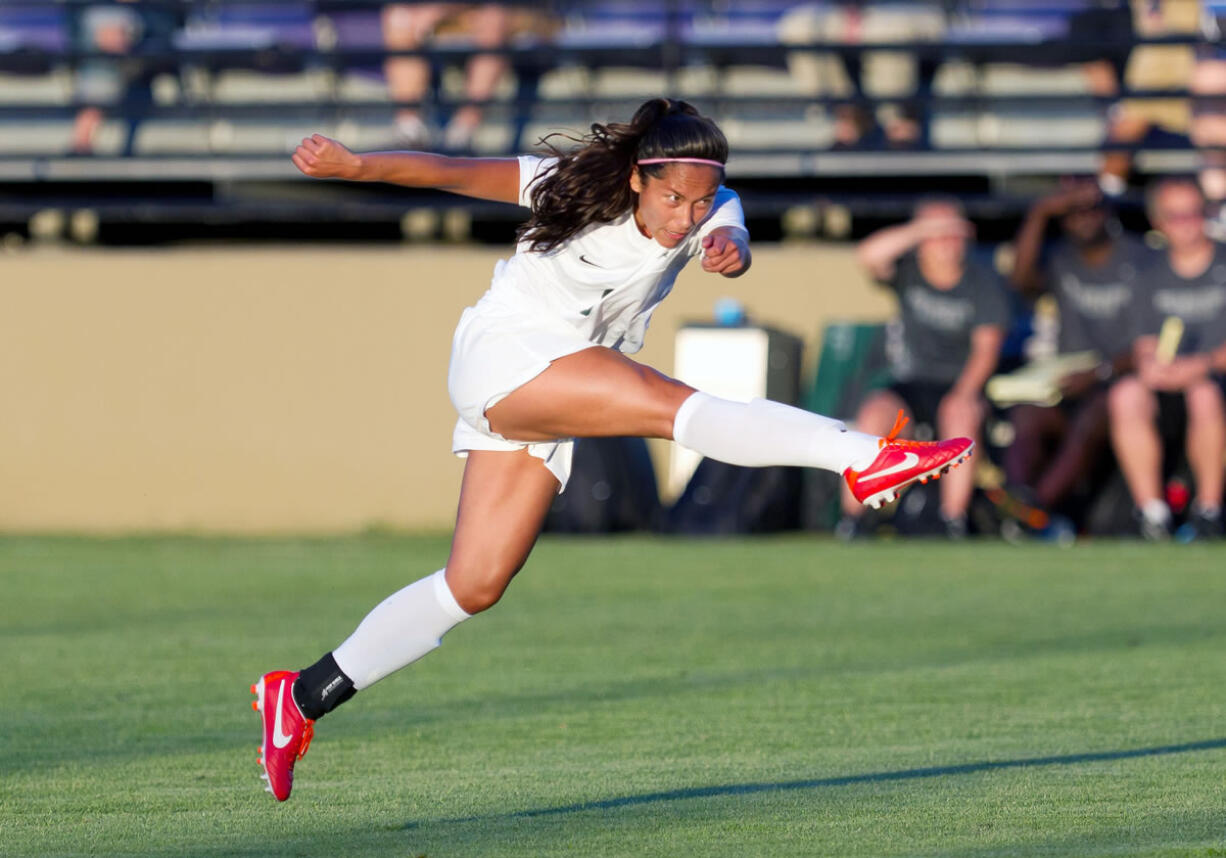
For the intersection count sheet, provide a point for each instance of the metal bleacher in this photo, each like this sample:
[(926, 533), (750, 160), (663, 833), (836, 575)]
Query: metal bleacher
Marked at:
[(238, 83)]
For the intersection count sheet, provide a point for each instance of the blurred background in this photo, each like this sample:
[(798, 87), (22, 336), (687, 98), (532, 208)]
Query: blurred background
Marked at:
[(194, 337)]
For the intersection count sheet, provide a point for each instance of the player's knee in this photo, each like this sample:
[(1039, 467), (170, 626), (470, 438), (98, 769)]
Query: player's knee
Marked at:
[(477, 596), (664, 396), (477, 591)]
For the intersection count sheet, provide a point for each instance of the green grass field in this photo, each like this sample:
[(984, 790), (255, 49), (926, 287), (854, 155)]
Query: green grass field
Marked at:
[(773, 697)]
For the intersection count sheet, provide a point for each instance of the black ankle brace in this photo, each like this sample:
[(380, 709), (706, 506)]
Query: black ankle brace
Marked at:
[(322, 687)]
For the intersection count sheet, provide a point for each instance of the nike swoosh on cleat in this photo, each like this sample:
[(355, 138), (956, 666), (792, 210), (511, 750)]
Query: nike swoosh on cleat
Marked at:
[(910, 460), (279, 739)]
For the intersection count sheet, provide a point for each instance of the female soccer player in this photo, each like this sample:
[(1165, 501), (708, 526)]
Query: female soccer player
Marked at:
[(540, 360)]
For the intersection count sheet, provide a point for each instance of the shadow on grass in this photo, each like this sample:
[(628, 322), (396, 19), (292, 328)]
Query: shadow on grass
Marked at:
[(724, 790)]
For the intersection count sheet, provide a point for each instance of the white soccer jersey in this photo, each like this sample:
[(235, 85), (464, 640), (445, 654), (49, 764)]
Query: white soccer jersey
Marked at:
[(596, 289), (607, 280)]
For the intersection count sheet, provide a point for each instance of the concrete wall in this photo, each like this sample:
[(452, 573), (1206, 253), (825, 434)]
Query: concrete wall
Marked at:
[(281, 389)]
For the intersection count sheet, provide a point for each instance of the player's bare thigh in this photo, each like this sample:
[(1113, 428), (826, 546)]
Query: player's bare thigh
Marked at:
[(596, 392), (504, 498)]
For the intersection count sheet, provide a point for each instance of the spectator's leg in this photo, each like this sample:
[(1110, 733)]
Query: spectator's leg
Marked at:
[(111, 31), (958, 417), (1076, 455), (405, 28), (136, 105), (1208, 130), (1102, 78), (1132, 410), (1206, 441), (490, 27), (909, 128), (1124, 129), (1033, 425), (875, 417), (84, 127)]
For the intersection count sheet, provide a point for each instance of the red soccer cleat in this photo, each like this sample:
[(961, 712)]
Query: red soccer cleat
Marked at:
[(287, 732), (900, 463)]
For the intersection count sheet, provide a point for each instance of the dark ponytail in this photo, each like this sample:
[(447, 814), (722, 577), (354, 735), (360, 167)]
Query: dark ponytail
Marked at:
[(592, 183)]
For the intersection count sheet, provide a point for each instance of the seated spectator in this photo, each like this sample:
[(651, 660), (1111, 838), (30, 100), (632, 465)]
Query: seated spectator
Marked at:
[(1208, 131), (1187, 282), (125, 81), (1091, 272), (409, 27), (952, 319), (881, 74), (1149, 67)]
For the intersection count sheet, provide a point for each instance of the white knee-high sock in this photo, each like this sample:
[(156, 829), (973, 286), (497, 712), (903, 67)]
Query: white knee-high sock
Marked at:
[(761, 433), (401, 629)]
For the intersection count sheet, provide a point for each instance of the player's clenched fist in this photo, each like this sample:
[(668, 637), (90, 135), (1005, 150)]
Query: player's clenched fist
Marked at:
[(323, 158), (725, 252)]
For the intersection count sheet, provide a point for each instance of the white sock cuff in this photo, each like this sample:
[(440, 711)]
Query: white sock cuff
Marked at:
[(681, 420), (446, 599)]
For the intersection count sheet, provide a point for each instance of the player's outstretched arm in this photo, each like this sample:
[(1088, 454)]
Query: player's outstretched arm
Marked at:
[(484, 178)]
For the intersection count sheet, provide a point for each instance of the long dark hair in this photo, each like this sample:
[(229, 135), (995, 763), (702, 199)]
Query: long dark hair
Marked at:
[(592, 183)]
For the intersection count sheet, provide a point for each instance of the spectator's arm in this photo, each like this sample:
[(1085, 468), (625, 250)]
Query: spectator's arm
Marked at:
[(484, 178), (1124, 363), (1217, 360), (1028, 246), (1190, 369), (1144, 349), (986, 341), (1177, 374), (1075, 384), (879, 252), (1145, 358)]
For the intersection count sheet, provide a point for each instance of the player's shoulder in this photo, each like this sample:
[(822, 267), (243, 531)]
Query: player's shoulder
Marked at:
[(533, 168)]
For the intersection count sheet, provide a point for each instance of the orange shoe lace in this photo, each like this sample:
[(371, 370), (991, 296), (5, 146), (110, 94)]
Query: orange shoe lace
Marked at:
[(308, 733), (899, 422)]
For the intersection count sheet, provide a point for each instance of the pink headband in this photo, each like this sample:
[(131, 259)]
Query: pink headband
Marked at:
[(706, 161)]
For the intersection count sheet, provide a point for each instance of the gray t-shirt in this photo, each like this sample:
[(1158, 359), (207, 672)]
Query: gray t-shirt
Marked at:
[(1199, 301), (1094, 301), (932, 339)]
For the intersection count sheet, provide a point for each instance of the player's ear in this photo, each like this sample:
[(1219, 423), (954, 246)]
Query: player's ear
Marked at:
[(636, 180)]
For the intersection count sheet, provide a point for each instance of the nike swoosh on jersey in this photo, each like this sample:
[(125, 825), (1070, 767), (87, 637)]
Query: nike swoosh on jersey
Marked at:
[(910, 460), (279, 739), (583, 258)]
